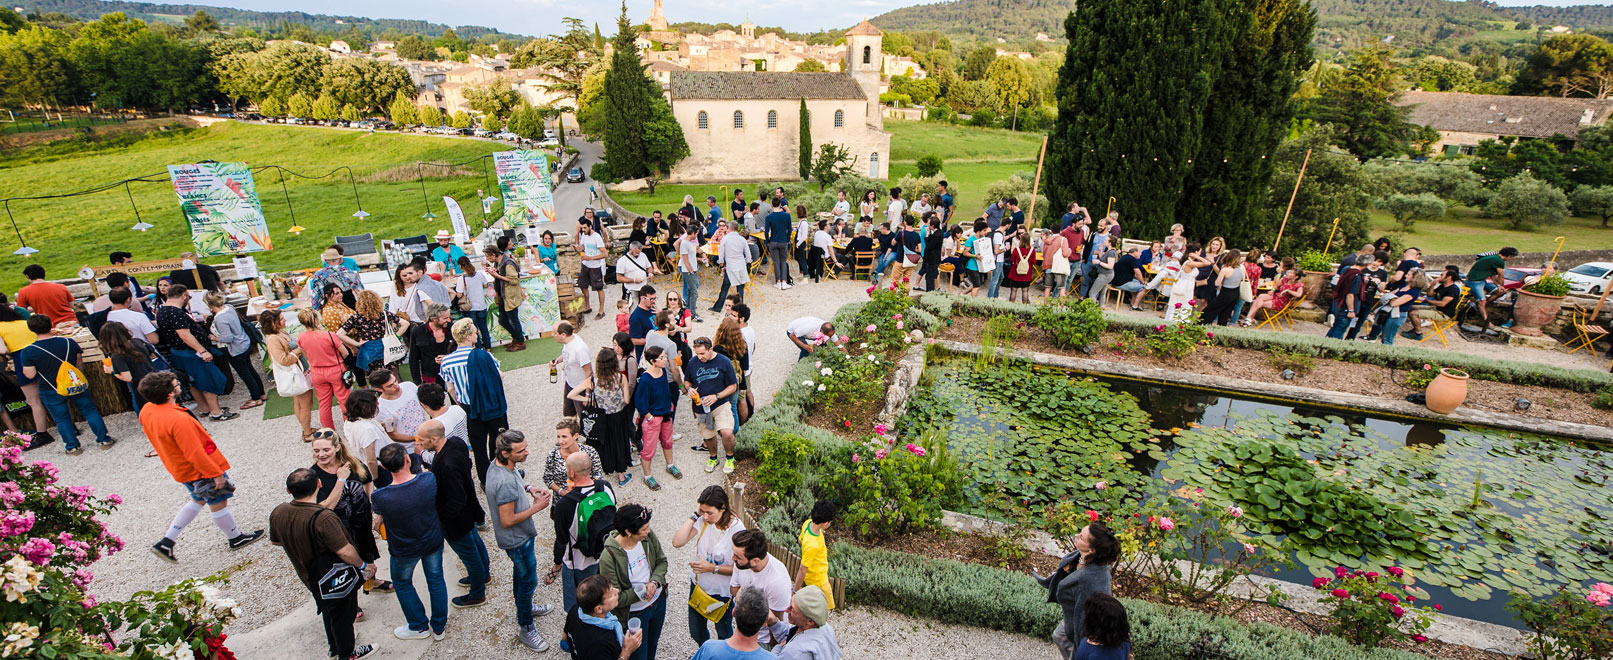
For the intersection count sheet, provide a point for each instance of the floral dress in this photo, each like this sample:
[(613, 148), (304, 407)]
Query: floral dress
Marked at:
[(612, 434)]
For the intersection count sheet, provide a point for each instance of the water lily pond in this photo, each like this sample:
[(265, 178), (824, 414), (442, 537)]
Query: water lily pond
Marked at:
[(1472, 513)]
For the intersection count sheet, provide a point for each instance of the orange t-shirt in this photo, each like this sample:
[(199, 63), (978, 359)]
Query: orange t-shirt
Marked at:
[(48, 298), (184, 446)]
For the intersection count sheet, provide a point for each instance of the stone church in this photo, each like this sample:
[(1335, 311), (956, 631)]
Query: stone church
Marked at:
[(745, 125)]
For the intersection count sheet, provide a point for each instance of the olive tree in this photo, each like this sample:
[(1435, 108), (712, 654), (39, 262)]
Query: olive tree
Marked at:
[(1408, 209), (1525, 201)]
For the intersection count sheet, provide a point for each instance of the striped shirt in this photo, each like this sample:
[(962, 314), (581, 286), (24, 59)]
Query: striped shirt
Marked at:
[(455, 370)]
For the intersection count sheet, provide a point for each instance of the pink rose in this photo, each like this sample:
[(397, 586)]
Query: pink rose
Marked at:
[(1178, 305), (1248, 548), (1166, 524), (1437, 607), (1341, 594), (1101, 485), (917, 451), (909, 446), (896, 317), (899, 325), (879, 429), (871, 327), (1340, 572), (1211, 335), (1419, 638), (879, 455), (856, 459), (1235, 511), (845, 338), (1396, 571), (869, 291), (1397, 611), (1320, 582), (1092, 515)]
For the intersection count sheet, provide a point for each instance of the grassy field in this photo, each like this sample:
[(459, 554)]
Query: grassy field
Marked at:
[(73, 232), (970, 180), (21, 124), (912, 139), (1465, 231)]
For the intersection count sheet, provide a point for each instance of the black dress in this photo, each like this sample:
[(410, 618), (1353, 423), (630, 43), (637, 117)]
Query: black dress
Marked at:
[(612, 433), (354, 510)]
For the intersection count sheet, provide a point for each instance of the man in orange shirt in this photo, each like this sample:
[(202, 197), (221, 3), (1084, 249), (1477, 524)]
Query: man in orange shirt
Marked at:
[(48, 298), (192, 459)]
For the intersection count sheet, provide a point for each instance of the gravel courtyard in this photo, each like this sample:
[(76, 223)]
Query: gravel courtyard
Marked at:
[(279, 620)]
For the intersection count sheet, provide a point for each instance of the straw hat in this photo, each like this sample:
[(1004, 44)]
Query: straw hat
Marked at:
[(443, 235), (331, 255)]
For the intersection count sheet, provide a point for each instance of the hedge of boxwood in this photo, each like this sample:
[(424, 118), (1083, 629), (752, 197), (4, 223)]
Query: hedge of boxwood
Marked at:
[(946, 305), (978, 595)]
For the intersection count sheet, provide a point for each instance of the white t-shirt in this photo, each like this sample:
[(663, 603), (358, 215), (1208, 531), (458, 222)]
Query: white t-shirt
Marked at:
[(403, 414), (593, 250), (688, 255), (749, 334), (842, 210), (364, 433), (474, 288), (803, 229), (920, 208), (823, 240), (805, 326), (893, 212), (717, 547), (775, 583), (454, 422), (632, 269), (638, 572), (573, 357), (413, 302), (949, 247), (137, 323)]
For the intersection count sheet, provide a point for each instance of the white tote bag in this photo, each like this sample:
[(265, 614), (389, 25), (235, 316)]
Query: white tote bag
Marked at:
[(392, 348), (290, 380)]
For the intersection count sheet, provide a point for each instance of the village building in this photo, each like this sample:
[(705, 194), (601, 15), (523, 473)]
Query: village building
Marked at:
[(1465, 120)]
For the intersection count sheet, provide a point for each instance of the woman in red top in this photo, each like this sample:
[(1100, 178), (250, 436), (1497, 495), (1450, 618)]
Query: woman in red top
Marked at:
[(324, 350), (1021, 268), (1288, 289)]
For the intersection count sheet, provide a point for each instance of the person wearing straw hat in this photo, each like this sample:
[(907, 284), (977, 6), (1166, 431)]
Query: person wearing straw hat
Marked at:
[(810, 638), (446, 252), (333, 272)]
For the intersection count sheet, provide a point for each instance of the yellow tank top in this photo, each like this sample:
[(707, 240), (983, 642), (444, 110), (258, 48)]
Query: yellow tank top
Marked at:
[(815, 561), (16, 335)]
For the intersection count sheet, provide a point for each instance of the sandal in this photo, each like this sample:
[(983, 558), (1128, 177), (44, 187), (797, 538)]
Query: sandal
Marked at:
[(307, 436), (151, 454), (252, 404)]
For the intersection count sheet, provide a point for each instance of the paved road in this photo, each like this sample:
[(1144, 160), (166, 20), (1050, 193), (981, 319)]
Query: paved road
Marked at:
[(571, 198)]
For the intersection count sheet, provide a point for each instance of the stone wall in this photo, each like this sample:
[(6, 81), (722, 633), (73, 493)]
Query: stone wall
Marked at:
[(723, 153), (1565, 260)]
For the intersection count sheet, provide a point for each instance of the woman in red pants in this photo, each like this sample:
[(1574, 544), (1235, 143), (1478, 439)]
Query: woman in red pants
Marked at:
[(325, 351)]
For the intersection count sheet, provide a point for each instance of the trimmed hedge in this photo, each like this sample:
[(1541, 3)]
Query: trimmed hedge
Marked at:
[(946, 305), (977, 595)]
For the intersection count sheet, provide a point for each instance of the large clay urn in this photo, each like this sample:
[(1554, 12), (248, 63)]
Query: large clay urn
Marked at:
[(1447, 391), (1314, 281), (1533, 311)]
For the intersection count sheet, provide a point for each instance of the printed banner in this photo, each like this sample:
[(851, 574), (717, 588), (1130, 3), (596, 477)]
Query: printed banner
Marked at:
[(458, 217), (539, 313), (220, 202), (523, 182)]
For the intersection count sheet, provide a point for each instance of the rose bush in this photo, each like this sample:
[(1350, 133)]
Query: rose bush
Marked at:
[(890, 486), (49, 537), (1370, 608), (1568, 626)]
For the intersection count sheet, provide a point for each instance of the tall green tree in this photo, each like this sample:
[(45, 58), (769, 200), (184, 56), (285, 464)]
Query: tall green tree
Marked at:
[(365, 83), (299, 105), (1247, 116), (494, 99), (34, 68), (1131, 96), (402, 111), (978, 62), (1335, 186), (804, 159), (325, 108), (1569, 65), (430, 116), (1362, 104), (641, 135), (10, 21)]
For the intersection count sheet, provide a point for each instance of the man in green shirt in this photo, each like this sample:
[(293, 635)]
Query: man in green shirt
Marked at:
[(1485, 278)]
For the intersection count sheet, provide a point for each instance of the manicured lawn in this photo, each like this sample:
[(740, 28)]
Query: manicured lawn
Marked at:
[(73, 232), (969, 181), (669, 198), (1464, 231), (912, 139)]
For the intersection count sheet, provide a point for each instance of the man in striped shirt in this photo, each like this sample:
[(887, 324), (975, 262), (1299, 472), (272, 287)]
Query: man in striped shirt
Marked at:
[(472, 376)]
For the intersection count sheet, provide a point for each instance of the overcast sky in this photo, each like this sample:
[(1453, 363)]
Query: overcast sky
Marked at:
[(538, 17)]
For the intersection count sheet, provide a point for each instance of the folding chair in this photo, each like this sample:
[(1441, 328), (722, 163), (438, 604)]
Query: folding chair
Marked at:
[(1278, 318), (753, 293), (1585, 332), (946, 273), (862, 262), (1441, 326)]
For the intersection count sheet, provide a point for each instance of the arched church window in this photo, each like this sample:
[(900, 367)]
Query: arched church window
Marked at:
[(702, 122)]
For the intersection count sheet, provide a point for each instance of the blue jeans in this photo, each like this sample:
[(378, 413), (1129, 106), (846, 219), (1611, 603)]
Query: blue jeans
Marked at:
[(699, 629), (479, 317), (1387, 331), (569, 577), (1086, 278), (409, 600), (1341, 321), (691, 289), (526, 580), (993, 287), (57, 405), (1237, 311), (473, 552), (651, 620), (884, 262)]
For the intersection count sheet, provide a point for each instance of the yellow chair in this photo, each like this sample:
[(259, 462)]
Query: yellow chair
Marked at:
[(1278, 318), (862, 263), (948, 269), (1440, 326), (1585, 332), (1119, 296), (753, 293)]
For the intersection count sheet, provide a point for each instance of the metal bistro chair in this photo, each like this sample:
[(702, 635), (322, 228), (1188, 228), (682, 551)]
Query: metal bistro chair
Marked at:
[(1441, 326), (863, 263), (1276, 319), (753, 293), (1586, 332)]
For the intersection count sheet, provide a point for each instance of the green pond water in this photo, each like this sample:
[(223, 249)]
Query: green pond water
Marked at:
[(1544, 519)]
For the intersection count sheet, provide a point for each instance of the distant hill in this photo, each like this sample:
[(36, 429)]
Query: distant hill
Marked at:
[(90, 10), (1340, 23)]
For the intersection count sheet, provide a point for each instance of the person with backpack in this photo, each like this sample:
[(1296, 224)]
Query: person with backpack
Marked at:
[(315, 541), (192, 458), (584, 516), (53, 361)]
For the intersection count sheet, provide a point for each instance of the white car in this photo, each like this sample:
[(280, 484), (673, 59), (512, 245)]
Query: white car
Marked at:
[(506, 135), (1592, 278), (549, 143)]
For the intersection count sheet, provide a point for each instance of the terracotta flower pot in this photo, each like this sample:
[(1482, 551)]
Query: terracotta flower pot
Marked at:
[(1533, 311), (1314, 281), (1448, 391)]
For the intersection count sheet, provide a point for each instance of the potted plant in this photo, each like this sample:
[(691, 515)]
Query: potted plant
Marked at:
[(1537, 304), (1318, 269)]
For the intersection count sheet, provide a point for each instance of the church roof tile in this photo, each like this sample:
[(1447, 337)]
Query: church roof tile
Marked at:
[(756, 85)]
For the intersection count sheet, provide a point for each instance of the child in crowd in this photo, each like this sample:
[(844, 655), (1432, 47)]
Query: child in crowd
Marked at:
[(815, 550), (1106, 633), (622, 315)]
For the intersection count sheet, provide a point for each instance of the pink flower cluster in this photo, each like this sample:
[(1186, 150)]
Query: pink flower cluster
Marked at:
[(38, 551), (11, 494), (1166, 524), (915, 449), (16, 524), (9, 456), (82, 578), (1601, 595)]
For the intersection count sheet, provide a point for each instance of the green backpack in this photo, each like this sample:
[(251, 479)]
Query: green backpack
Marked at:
[(596, 516)]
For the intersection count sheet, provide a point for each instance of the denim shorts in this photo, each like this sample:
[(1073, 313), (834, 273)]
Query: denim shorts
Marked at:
[(191, 492), (1481, 288)]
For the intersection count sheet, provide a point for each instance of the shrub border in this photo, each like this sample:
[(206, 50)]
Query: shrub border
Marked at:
[(946, 305)]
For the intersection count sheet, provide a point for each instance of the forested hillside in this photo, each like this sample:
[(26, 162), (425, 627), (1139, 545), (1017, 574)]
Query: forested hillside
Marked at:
[(89, 10)]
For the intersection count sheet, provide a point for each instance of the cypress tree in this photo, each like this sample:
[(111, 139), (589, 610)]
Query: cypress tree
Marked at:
[(806, 142), (625, 110), (1247, 116)]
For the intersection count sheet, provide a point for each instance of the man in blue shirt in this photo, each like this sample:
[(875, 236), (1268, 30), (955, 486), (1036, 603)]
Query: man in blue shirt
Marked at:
[(712, 376), (408, 508), (1016, 217), (777, 226), (713, 214), (737, 207), (994, 214), (1075, 213), (446, 252), (944, 204), (642, 320)]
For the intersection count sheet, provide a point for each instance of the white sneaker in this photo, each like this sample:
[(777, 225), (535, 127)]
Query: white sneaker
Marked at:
[(787, 286), (529, 636), (677, 436), (403, 632)]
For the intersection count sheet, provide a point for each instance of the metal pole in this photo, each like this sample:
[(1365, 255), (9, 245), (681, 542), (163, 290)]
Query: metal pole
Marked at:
[(1329, 248), (131, 203), (280, 171), (1037, 184), (1291, 199), (420, 173), (353, 183)]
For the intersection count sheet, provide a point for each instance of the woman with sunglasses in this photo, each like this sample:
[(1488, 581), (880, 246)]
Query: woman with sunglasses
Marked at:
[(344, 487)]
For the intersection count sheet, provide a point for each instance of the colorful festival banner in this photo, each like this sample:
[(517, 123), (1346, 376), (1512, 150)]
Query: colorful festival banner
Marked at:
[(220, 202), (523, 182), (540, 312)]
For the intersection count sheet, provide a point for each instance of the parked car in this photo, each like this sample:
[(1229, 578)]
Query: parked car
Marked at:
[(296, 120), (575, 175), (1592, 278), (1516, 278), (549, 135), (482, 132), (253, 116), (384, 125), (505, 135), (549, 143)]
